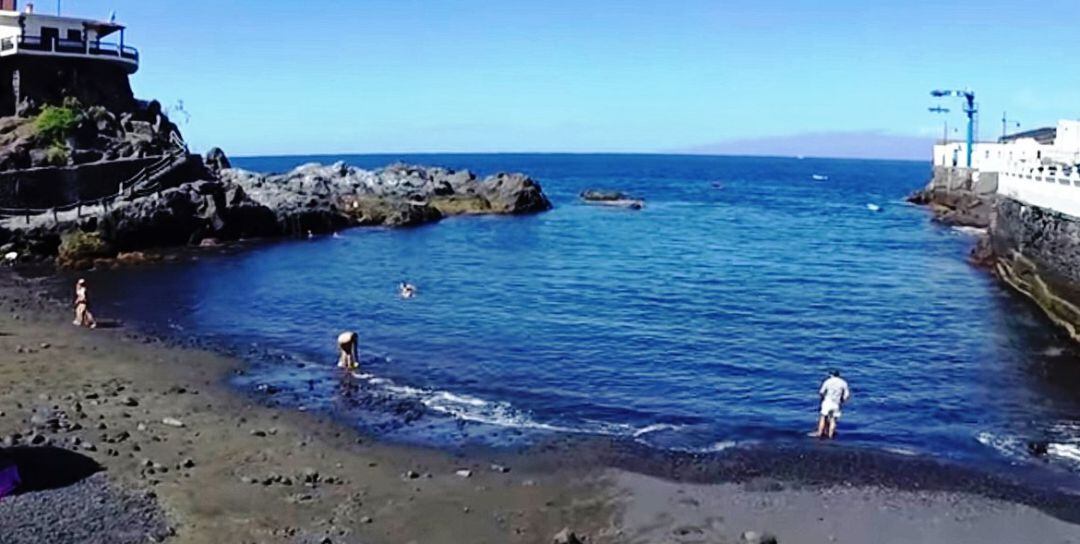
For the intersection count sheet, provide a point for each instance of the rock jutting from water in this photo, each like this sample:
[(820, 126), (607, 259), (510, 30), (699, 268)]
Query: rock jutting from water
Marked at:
[(956, 199), (225, 204), (616, 199)]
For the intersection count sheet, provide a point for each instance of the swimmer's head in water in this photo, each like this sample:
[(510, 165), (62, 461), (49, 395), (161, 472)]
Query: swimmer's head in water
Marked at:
[(834, 373)]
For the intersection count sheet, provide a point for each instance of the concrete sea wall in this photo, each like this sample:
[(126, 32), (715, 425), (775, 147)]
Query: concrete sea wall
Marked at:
[(1037, 252), (1031, 248)]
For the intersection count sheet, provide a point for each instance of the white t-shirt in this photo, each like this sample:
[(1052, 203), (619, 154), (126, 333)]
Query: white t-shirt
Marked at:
[(834, 391)]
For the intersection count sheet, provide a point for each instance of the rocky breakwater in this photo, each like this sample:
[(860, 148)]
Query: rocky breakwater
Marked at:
[(956, 196), (322, 198), (231, 204)]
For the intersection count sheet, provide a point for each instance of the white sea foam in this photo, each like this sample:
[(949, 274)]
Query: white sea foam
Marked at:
[(500, 413), (655, 427), (722, 445), (504, 414), (1008, 446), (1053, 351), (1064, 451), (970, 231), (901, 451), (459, 406)]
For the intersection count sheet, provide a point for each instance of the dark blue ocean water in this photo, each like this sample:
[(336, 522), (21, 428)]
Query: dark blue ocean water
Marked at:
[(706, 320)]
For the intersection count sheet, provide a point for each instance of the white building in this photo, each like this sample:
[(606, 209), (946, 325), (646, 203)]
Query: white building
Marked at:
[(1046, 175), (999, 156), (28, 34)]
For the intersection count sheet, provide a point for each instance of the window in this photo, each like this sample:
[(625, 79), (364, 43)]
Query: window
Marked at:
[(74, 35)]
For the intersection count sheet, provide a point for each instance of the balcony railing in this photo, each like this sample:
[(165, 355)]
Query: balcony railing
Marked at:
[(70, 47)]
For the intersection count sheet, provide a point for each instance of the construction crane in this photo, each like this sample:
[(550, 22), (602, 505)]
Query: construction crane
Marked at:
[(970, 109), (945, 133)]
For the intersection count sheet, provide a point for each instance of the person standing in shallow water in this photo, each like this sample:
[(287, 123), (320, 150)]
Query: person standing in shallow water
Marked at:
[(83, 317), (347, 350), (834, 393)]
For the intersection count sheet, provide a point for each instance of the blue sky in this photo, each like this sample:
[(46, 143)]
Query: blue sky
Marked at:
[(338, 76)]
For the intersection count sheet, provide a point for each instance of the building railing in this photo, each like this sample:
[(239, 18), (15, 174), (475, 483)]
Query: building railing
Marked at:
[(1049, 185), (71, 47)]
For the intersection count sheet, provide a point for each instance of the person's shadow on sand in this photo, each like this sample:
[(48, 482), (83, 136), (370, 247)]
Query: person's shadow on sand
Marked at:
[(48, 467)]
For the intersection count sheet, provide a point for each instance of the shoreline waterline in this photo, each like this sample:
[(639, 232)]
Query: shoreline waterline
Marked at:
[(795, 461), (599, 477)]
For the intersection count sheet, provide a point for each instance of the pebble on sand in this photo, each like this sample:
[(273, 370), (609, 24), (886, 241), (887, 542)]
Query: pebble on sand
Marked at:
[(753, 537), (566, 536), (172, 422)]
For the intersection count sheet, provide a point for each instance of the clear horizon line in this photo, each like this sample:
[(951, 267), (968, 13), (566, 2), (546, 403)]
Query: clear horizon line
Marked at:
[(662, 153)]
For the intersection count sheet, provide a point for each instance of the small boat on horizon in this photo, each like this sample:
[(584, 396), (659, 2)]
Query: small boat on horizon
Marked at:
[(819, 177)]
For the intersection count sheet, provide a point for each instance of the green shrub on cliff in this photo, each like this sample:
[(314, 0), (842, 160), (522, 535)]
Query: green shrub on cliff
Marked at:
[(55, 123), (56, 155), (79, 249)]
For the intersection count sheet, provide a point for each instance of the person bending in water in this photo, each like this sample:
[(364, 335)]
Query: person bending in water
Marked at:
[(83, 317), (407, 290), (347, 347), (834, 393)]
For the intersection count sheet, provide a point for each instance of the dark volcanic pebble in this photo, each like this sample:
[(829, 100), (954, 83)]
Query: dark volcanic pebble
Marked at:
[(88, 512)]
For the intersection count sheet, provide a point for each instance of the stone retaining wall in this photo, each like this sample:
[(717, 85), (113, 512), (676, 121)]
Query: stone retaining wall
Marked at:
[(59, 186), (1037, 252)]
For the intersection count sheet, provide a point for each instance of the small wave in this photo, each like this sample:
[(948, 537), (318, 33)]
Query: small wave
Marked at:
[(503, 414), (462, 407), (655, 427), (1053, 351), (1007, 446), (970, 231), (901, 451), (722, 445), (1064, 451), (715, 447)]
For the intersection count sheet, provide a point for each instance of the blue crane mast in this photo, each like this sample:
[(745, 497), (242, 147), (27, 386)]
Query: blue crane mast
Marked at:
[(970, 109)]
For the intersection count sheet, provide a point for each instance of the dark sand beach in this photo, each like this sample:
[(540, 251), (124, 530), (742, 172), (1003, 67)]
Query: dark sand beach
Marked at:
[(184, 458)]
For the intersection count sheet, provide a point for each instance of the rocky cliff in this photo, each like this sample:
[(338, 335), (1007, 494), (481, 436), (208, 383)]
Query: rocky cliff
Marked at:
[(1033, 250), (32, 83), (72, 133), (1037, 252), (956, 197), (63, 112), (230, 204)]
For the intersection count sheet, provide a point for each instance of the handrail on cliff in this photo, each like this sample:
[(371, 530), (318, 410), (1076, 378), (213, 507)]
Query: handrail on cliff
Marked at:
[(129, 187)]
